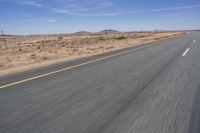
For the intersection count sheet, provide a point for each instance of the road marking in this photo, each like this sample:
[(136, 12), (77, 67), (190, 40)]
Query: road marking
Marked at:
[(82, 64), (186, 51), (72, 67), (194, 40)]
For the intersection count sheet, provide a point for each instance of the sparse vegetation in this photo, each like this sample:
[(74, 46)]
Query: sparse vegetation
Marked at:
[(24, 51), (60, 38), (121, 38), (33, 55), (45, 57), (101, 38), (1, 65)]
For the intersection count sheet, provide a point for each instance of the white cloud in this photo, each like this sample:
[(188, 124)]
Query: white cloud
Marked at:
[(32, 3)]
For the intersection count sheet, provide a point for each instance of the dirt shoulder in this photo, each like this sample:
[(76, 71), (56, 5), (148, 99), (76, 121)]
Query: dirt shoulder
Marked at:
[(28, 52)]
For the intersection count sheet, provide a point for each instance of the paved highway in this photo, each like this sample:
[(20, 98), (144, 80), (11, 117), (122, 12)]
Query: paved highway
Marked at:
[(149, 89)]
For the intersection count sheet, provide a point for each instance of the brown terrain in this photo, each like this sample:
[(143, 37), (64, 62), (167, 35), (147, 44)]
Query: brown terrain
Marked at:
[(31, 51)]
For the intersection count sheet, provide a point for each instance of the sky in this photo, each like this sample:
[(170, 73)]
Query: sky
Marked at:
[(67, 16)]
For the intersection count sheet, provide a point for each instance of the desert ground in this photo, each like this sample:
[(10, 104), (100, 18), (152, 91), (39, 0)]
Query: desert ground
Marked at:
[(32, 51)]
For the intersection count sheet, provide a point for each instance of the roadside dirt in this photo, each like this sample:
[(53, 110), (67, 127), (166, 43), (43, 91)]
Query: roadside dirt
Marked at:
[(27, 52)]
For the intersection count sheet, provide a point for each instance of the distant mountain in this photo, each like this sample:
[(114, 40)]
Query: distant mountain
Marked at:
[(82, 33), (109, 31)]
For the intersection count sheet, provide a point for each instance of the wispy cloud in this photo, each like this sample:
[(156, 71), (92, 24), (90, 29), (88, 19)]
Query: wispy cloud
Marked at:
[(63, 11), (32, 3), (51, 21), (76, 7), (91, 8), (103, 14), (174, 8), (176, 20), (171, 14), (148, 11), (26, 2), (24, 14), (33, 20), (95, 7)]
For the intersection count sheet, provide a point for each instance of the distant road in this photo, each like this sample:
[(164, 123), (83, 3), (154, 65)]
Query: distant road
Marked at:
[(149, 89)]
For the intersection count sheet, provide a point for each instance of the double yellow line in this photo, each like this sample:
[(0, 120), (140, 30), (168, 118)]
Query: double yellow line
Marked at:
[(72, 67)]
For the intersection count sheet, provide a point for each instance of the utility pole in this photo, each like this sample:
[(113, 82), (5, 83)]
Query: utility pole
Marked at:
[(4, 39)]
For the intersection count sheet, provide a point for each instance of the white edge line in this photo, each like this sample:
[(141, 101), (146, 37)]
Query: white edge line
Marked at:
[(186, 51)]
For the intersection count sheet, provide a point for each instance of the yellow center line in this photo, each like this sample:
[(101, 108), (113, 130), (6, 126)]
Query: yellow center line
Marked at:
[(72, 67)]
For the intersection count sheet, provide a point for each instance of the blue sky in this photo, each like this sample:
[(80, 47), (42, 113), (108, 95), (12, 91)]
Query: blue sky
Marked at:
[(65, 16)]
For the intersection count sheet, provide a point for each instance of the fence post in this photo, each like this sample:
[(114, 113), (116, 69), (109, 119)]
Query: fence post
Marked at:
[(4, 39)]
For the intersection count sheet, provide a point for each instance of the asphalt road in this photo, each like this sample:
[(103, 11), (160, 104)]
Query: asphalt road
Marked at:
[(154, 89)]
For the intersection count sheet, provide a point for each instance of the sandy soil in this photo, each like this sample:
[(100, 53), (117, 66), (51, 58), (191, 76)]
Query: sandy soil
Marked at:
[(27, 52)]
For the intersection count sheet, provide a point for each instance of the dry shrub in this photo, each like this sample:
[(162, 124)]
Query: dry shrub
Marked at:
[(45, 57), (88, 40), (101, 47), (1, 65), (33, 56), (75, 49), (20, 49), (1, 40), (110, 47), (101, 38), (121, 38), (92, 48), (60, 38), (55, 51)]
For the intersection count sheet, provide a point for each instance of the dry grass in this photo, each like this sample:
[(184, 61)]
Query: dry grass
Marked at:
[(26, 52)]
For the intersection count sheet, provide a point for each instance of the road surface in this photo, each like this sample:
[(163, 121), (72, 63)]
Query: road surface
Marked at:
[(149, 89)]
